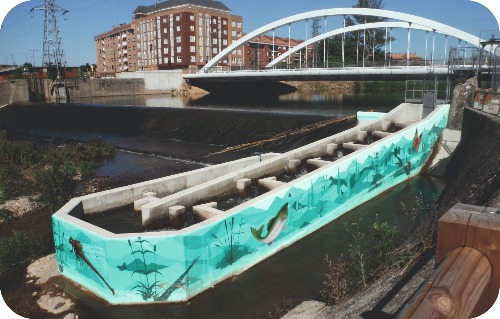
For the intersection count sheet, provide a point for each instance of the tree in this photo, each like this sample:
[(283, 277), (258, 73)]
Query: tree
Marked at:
[(370, 41)]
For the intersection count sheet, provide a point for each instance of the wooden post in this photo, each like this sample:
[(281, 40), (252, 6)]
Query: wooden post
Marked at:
[(466, 282), (455, 287), (476, 227)]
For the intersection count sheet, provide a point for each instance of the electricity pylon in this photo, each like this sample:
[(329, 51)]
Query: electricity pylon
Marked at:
[(53, 53)]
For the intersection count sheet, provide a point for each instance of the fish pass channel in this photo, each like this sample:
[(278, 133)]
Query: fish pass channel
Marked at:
[(176, 265)]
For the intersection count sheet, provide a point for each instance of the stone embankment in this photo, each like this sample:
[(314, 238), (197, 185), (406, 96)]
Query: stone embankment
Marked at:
[(311, 86)]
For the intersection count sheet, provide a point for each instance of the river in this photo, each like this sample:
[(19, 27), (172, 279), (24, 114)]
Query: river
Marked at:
[(293, 275)]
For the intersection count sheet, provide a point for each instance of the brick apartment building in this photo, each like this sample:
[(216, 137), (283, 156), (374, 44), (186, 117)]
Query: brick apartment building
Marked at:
[(260, 51), (116, 50), (173, 34)]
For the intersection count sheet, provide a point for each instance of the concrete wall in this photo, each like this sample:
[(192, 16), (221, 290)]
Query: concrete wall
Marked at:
[(156, 81), (125, 83), (103, 87), (106, 200), (13, 91)]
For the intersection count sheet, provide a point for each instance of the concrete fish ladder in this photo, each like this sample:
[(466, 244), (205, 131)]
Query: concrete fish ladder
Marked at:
[(196, 258)]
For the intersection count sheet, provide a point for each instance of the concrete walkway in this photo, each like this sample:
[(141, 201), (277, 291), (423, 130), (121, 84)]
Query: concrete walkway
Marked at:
[(447, 144)]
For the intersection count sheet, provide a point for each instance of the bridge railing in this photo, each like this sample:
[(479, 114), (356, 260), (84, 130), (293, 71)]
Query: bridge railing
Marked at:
[(397, 64)]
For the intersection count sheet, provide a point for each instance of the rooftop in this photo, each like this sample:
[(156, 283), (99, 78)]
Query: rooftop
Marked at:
[(179, 3)]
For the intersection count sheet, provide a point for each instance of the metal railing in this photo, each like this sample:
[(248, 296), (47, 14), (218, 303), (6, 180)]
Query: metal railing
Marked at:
[(327, 66)]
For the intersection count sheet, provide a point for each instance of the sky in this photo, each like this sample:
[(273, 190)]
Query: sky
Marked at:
[(21, 33)]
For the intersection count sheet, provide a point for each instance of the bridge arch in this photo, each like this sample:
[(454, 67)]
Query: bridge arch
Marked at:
[(408, 18), (357, 27)]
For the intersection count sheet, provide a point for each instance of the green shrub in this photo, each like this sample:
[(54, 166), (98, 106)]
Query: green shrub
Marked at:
[(55, 186), (384, 237), (97, 149), (17, 153), (338, 283), (6, 215), (12, 183), (17, 251), (86, 169)]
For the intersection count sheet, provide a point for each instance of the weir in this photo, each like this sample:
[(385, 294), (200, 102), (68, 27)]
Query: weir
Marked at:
[(175, 265)]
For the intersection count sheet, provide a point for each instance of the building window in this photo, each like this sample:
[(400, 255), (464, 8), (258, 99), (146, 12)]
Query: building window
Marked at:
[(165, 30), (177, 18), (193, 58), (178, 28), (178, 39), (178, 49), (179, 58), (214, 41), (214, 50), (192, 48), (192, 38), (165, 40), (233, 33), (224, 42), (191, 17), (224, 31), (191, 28), (233, 24), (165, 50), (201, 58), (239, 25), (164, 20), (224, 22)]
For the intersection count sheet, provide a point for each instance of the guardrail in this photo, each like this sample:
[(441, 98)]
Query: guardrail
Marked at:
[(466, 281)]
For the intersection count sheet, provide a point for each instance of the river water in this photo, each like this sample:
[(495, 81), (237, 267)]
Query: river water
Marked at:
[(293, 275)]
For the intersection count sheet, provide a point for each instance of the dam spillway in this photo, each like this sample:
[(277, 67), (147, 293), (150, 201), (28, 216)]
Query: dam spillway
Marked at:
[(175, 265)]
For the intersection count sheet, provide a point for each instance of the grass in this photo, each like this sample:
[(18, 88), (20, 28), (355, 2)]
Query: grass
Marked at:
[(17, 251), (52, 172)]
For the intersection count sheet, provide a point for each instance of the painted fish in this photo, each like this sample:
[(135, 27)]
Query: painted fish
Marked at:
[(274, 226), (78, 249), (416, 140)]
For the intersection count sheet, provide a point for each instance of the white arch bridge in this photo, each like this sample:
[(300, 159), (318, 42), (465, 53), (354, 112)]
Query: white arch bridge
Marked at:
[(282, 66)]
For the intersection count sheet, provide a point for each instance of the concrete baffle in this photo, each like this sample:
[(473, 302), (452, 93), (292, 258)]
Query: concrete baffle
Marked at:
[(386, 125), (206, 211), (380, 134), (176, 215), (362, 135), (318, 162), (242, 184), (270, 183), (331, 149), (352, 146), (293, 165), (402, 124), (148, 197)]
